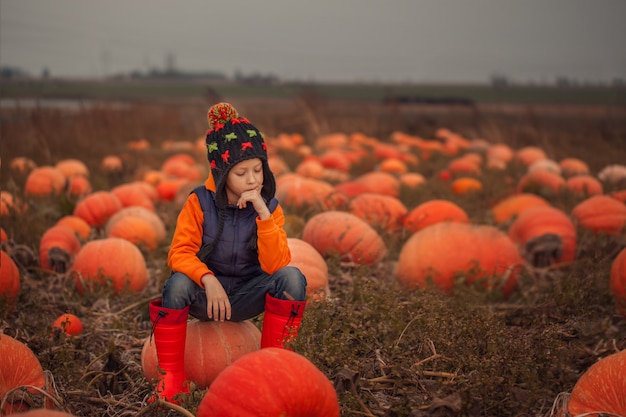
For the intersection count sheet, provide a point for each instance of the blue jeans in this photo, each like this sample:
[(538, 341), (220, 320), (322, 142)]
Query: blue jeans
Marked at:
[(247, 297)]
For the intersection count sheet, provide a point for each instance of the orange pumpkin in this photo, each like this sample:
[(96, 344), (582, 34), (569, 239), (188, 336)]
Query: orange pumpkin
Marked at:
[(335, 159), (312, 264), (278, 165), (618, 281), (411, 180), (619, 195), (466, 185), (44, 181), (584, 185), (600, 390), (9, 281), (57, 248), (512, 206), (149, 190), (135, 229), (3, 235), (77, 224), (464, 165), (72, 167), (110, 259), (351, 189), (311, 167), (338, 233), (112, 164), (167, 188), (302, 193), (270, 382), (97, 208), (78, 186), (601, 214), (138, 225), (573, 166), (545, 235), (19, 367), (380, 182), (133, 195), (210, 347), (529, 154), (382, 212), (22, 165), (179, 168), (434, 211), (394, 166), (500, 152), (10, 204), (482, 254), (541, 182), (68, 323)]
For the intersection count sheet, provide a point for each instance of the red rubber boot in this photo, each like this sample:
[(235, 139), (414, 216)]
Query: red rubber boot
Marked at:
[(169, 328), (281, 321)]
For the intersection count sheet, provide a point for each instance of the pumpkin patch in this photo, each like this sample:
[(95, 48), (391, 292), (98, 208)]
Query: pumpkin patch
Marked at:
[(460, 259)]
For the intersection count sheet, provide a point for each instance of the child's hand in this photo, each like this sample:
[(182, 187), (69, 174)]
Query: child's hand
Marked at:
[(254, 197), (218, 304)]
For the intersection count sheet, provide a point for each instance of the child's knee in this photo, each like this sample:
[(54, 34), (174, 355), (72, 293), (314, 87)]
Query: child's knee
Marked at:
[(178, 285)]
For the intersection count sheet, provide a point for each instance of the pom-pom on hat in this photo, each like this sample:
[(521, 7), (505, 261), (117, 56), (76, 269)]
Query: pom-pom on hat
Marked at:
[(230, 140)]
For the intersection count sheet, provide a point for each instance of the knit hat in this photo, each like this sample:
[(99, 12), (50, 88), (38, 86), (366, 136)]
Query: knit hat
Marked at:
[(230, 140)]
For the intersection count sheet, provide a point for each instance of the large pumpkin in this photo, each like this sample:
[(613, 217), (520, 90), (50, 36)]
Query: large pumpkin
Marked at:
[(9, 281), (44, 181), (618, 281), (338, 233), (541, 182), (380, 182), (57, 248), (545, 235), (138, 225), (584, 185), (97, 208), (81, 228), (270, 382), (19, 367), (601, 390), (440, 253), (210, 347), (432, 212), (133, 194), (302, 193), (382, 212), (306, 258), (573, 166), (72, 167), (110, 259), (601, 214), (511, 206)]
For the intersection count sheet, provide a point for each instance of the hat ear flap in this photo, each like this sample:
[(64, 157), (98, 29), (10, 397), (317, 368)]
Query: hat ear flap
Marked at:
[(269, 183)]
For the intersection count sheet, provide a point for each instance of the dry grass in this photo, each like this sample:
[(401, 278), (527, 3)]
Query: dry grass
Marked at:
[(388, 352)]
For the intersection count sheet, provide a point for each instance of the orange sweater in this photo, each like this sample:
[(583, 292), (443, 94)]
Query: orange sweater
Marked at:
[(272, 243)]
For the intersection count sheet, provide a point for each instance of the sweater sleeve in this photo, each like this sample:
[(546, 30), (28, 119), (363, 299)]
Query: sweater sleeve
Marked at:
[(274, 252), (187, 241)]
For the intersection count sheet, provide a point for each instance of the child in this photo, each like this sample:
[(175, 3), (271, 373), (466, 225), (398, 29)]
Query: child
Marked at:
[(229, 253)]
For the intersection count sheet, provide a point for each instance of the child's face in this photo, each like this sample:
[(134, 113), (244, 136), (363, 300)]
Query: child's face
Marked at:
[(245, 176)]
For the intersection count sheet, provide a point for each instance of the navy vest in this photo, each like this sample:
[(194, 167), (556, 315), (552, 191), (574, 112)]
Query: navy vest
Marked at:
[(232, 256)]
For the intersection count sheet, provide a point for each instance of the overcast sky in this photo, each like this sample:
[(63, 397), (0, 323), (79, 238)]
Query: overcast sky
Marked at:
[(323, 40)]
